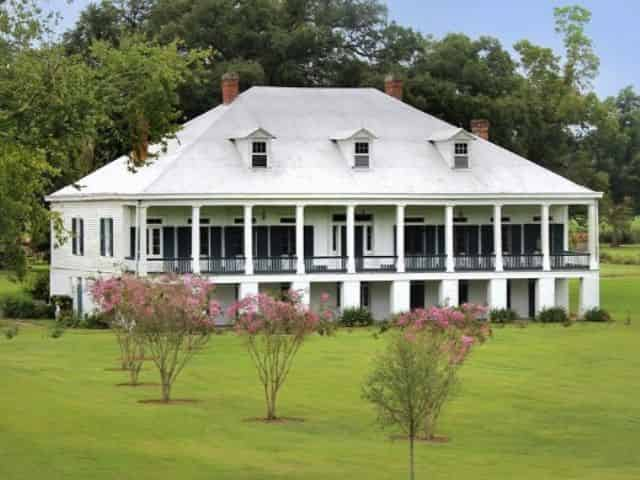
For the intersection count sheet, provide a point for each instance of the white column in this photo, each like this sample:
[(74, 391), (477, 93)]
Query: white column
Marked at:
[(351, 294), (565, 229), (248, 240), (195, 239), (400, 238), (141, 240), (562, 293), (497, 236), (544, 237), (300, 238), (594, 261), (589, 292), (400, 296), (448, 237), (448, 293), (351, 225), (304, 290), (497, 293), (247, 289), (545, 293)]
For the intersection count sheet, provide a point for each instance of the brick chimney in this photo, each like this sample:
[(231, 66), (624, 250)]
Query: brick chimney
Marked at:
[(230, 87), (393, 86), (480, 127)]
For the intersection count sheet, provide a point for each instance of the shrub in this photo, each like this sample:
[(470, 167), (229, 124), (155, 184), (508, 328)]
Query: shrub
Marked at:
[(356, 317), (552, 315), (503, 315), (56, 330), (597, 314), (38, 286), (21, 307), (11, 331), (63, 301)]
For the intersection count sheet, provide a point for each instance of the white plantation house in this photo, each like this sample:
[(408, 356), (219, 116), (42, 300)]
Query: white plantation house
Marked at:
[(346, 191)]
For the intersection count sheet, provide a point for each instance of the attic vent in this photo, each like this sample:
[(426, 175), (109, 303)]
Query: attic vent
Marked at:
[(461, 155), (361, 157), (259, 154)]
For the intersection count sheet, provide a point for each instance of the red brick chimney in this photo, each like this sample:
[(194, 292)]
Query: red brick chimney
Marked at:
[(393, 86), (230, 87), (480, 127)]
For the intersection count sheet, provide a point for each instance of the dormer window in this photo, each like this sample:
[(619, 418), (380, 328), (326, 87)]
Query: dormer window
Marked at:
[(461, 155), (361, 155), (259, 154)]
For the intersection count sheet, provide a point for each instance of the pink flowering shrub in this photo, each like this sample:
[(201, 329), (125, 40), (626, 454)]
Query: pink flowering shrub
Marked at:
[(172, 317), (274, 330), (447, 335)]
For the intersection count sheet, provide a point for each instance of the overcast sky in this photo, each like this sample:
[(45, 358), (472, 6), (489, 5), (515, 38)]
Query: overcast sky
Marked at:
[(614, 28)]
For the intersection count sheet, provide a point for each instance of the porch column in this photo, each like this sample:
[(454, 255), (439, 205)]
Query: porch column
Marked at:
[(545, 293), (400, 296), (544, 237), (497, 236), (400, 238), (565, 229), (304, 289), (497, 293), (248, 239), (589, 292), (351, 294), (141, 240), (195, 239), (300, 239), (594, 261), (448, 293), (351, 222), (448, 236)]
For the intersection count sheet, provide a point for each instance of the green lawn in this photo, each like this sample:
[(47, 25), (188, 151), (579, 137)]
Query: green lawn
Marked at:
[(542, 402)]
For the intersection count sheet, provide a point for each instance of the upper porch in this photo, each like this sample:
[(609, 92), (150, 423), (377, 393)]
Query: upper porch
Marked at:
[(315, 239)]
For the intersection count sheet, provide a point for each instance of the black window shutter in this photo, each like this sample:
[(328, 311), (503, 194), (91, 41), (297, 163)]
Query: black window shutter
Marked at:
[(168, 242), (487, 239), (308, 241), (441, 247), (215, 249), (74, 236), (103, 249), (395, 240), (531, 237), (473, 232), (132, 242), (204, 241), (111, 237), (430, 239), (81, 236)]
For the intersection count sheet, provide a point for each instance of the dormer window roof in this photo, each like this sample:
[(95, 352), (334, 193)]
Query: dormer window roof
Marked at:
[(352, 134)]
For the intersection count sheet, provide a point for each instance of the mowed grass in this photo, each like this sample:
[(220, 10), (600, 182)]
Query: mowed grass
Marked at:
[(542, 402)]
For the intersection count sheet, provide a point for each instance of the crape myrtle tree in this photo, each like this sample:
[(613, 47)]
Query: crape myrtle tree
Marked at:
[(274, 330), (172, 317), (412, 378)]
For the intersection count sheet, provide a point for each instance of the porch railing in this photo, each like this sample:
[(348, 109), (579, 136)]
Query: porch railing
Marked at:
[(475, 262), (325, 264), (222, 265), (284, 264), (569, 261), (525, 261), (169, 265), (425, 263), (376, 263)]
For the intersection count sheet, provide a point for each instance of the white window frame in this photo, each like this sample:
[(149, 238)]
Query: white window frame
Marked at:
[(267, 152), (108, 236), (461, 154), (77, 236), (367, 229), (357, 155), (150, 230)]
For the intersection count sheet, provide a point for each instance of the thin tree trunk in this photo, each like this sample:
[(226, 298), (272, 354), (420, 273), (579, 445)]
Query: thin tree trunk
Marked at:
[(411, 458)]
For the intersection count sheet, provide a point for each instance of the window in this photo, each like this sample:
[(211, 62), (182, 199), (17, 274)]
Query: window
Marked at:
[(77, 233), (461, 155), (106, 237), (259, 154), (154, 241), (361, 157)]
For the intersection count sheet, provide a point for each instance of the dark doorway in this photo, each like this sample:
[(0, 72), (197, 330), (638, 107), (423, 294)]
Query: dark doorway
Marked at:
[(234, 241), (359, 237), (417, 295), (168, 242), (532, 298), (463, 291)]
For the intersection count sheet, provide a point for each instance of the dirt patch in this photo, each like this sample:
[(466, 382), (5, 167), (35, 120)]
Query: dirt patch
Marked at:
[(176, 401), (140, 384), (433, 439), (275, 420)]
